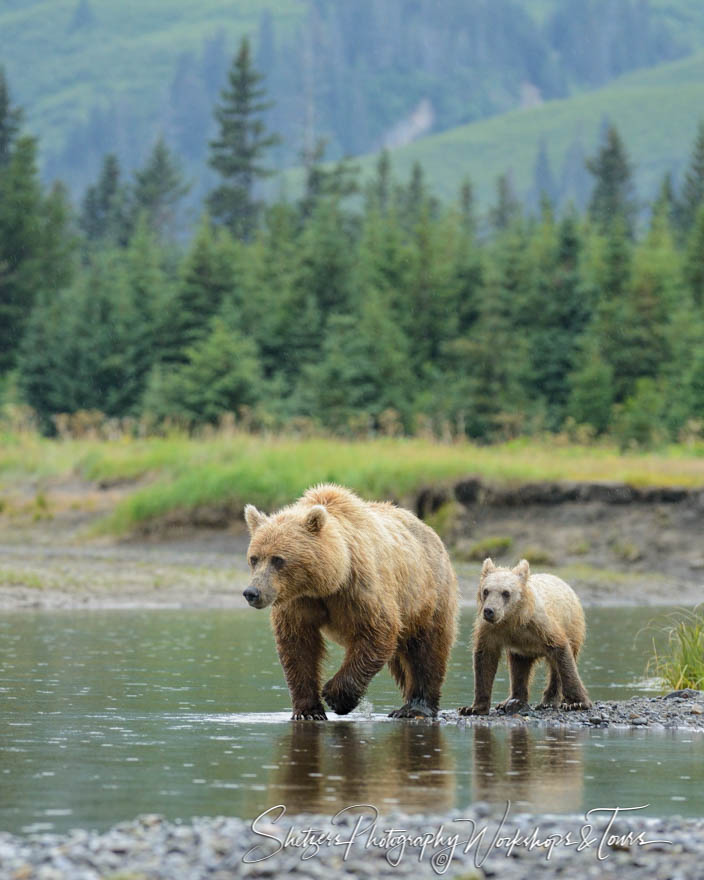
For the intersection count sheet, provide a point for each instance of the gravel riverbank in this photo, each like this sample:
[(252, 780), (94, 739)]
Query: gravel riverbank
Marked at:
[(361, 844), (683, 709)]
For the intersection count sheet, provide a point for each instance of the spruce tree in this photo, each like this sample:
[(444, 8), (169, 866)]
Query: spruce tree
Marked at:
[(507, 209), (237, 153), (21, 240), (10, 119), (613, 194), (158, 188), (692, 196), (105, 211), (694, 259)]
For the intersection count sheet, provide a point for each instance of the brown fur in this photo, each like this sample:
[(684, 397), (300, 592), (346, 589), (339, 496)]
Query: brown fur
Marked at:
[(369, 575), (532, 616)]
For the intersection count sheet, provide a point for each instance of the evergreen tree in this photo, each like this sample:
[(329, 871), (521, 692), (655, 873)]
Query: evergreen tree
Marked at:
[(507, 209), (158, 189), (592, 393), (105, 210), (21, 240), (694, 261), (363, 368), (544, 185), (338, 182), (692, 197), (467, 207), (208, 277), (613, 195), (238, 151), (220, 375), (10, 120)]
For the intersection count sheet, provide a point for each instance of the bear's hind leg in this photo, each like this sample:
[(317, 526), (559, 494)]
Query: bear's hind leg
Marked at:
[(552, 695), (520, 672), (574, 693), (421, 662)]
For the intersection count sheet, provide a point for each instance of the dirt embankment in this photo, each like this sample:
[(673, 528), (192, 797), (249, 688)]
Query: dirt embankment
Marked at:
[(615, 543)]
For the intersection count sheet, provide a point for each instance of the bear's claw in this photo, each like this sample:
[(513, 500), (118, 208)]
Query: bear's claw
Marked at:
[(413, 710), (576, 706), (473, 710), (314, 714)]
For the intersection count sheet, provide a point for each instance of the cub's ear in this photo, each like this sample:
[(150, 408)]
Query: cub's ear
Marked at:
[(315, 519), (488, 567), (522, 570), (253, 517)]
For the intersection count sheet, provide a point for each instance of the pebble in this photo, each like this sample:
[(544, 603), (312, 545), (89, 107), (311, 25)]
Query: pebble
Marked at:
[(682, 709), (207, 846)]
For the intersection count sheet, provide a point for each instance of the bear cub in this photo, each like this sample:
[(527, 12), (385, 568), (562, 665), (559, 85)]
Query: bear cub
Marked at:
[(370, 576), (532, 616)]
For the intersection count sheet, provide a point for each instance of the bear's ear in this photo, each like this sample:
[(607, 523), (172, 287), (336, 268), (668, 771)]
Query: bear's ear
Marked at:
[(253, 517), (315, 519), (488, 567), (522, 570)]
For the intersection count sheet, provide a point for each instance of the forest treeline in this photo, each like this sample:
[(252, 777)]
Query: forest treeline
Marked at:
[(360, 307), (355, 70)]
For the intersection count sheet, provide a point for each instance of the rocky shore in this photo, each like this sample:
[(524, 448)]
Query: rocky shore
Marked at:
[(682, 710), (474, 843)]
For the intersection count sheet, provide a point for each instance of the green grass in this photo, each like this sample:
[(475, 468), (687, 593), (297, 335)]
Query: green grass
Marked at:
[(681, 663), (178, 473), (656, 111)]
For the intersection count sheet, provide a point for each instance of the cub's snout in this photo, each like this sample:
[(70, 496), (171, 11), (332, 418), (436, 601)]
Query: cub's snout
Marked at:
[(489, 614)]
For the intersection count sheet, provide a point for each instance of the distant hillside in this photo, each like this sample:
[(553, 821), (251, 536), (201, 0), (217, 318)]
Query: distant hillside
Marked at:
[(656, 111), (109, 75)]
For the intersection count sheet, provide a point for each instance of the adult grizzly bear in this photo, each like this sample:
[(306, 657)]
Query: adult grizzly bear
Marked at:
[(369, 575), (531, 616)]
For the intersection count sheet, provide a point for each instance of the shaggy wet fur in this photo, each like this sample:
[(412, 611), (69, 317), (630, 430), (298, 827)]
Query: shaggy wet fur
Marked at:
[(532, 616), (370, 576)]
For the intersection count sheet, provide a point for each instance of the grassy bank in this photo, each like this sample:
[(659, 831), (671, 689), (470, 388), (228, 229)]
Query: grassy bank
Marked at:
[(180, 474)]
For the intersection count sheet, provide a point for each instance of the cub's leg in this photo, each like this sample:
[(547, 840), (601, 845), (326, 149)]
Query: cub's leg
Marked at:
[(301, 649), (552, 695), (486, 661), (520, 672), (574, 693)]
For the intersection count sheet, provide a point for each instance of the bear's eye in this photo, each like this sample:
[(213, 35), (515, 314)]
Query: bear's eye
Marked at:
[(253, 560), (506, 594), (277, 562), (485, 593)]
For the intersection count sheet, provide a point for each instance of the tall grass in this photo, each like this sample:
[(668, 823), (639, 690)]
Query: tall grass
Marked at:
[(680, 664), (181, 473)]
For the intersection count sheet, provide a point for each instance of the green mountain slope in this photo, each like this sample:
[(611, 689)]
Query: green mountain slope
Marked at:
[(656, 111), (109, 75)]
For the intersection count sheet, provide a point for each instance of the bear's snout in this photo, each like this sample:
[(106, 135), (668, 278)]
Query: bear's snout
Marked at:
[(489, 614), (253, 596)]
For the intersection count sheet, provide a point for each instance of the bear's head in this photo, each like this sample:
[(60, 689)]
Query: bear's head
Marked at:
[(299, 551), (501, 590)]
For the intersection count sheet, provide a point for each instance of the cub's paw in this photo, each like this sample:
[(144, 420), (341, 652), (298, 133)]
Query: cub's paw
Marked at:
[(310, 713), (473, 710), (414, 710), (548, 704), (342, 700), (576, 705)]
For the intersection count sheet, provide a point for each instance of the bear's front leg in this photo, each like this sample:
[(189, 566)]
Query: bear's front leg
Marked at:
[(365, 656), (486, 661), (300, 645)]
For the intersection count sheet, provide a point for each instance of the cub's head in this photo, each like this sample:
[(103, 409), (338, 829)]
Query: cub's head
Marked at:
[(501, 590), (299, 551)]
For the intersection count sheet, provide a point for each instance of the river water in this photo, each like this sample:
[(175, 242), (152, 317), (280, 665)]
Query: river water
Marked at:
[(110, 714)]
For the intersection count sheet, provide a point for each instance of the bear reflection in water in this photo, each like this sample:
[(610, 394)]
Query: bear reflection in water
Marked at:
[(424, 768), (543, 772), (325, 767)]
